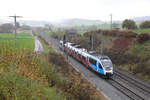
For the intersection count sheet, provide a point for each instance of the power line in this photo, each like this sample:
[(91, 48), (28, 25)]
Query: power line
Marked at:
[(15, 22)]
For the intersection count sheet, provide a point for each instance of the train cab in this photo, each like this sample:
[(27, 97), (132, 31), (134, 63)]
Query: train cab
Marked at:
[(107, 65), (61, 44)]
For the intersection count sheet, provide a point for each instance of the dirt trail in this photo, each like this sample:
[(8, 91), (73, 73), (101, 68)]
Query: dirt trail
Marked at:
[(38, 46)]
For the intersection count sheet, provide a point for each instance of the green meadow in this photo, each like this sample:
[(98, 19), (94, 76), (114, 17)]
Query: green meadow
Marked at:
[(142, 30), (24, 41)]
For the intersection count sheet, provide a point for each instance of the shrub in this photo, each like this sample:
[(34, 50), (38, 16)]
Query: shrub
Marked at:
[(60, 61), (121, 43), (15, 87), (129, 34), (21, 78), (87, 34), (116, 33), (145, 24), (119, 58), (129, 24), (106, 32), (141, 68), (141, 38)]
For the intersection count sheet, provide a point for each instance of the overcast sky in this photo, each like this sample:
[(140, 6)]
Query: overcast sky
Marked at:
[(61, 9)]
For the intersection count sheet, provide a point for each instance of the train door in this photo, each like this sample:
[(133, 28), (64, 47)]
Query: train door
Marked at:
[(87, 61), (93, 63), (84, 59), (99, 68)]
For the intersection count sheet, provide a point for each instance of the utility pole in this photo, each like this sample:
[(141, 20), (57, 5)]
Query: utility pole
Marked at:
[(15, 22), (64, 39), (91, 41), (101, 44), (111, 21)]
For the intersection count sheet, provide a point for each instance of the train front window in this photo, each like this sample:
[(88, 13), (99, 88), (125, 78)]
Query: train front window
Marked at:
[(73, 44), (104, 58), (107, 63)]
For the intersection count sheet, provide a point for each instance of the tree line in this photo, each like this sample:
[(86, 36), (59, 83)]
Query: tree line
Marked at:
[(9, 27), (131, 24)]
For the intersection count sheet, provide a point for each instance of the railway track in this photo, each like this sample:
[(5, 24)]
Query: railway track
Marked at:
[(145, 89), (126, 91)]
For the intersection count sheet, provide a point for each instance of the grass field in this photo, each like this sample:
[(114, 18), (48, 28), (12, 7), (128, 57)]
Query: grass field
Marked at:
[(24, 41), (142, 30), (140, 50)]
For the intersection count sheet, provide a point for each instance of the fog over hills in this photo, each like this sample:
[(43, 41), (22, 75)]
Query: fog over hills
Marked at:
[(141, 18), (26, 22), (63, 22), (77, 21), (70, 22)]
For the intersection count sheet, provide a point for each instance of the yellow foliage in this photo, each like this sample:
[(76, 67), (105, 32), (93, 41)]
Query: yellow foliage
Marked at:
[(26, 64)]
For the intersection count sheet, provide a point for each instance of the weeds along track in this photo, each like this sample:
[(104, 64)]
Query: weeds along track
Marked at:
[(126, 91), (144, 88)]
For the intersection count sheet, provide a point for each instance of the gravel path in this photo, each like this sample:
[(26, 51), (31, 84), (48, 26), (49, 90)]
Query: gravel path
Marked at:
[(38, 46)]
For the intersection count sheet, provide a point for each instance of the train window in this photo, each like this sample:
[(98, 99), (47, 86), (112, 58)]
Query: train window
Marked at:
[(83, 58), (104, 58), (73, 44), (87, 58), (79, 55), (92, 61)]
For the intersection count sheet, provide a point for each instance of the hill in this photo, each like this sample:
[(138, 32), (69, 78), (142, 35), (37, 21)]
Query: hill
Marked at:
[(78, 22), (141, 18)]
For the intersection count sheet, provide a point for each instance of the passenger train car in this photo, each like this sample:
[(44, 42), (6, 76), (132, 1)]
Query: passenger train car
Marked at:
[(100, 64)]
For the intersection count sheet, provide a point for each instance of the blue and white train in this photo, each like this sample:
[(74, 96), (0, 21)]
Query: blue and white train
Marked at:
[(100, 64)]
